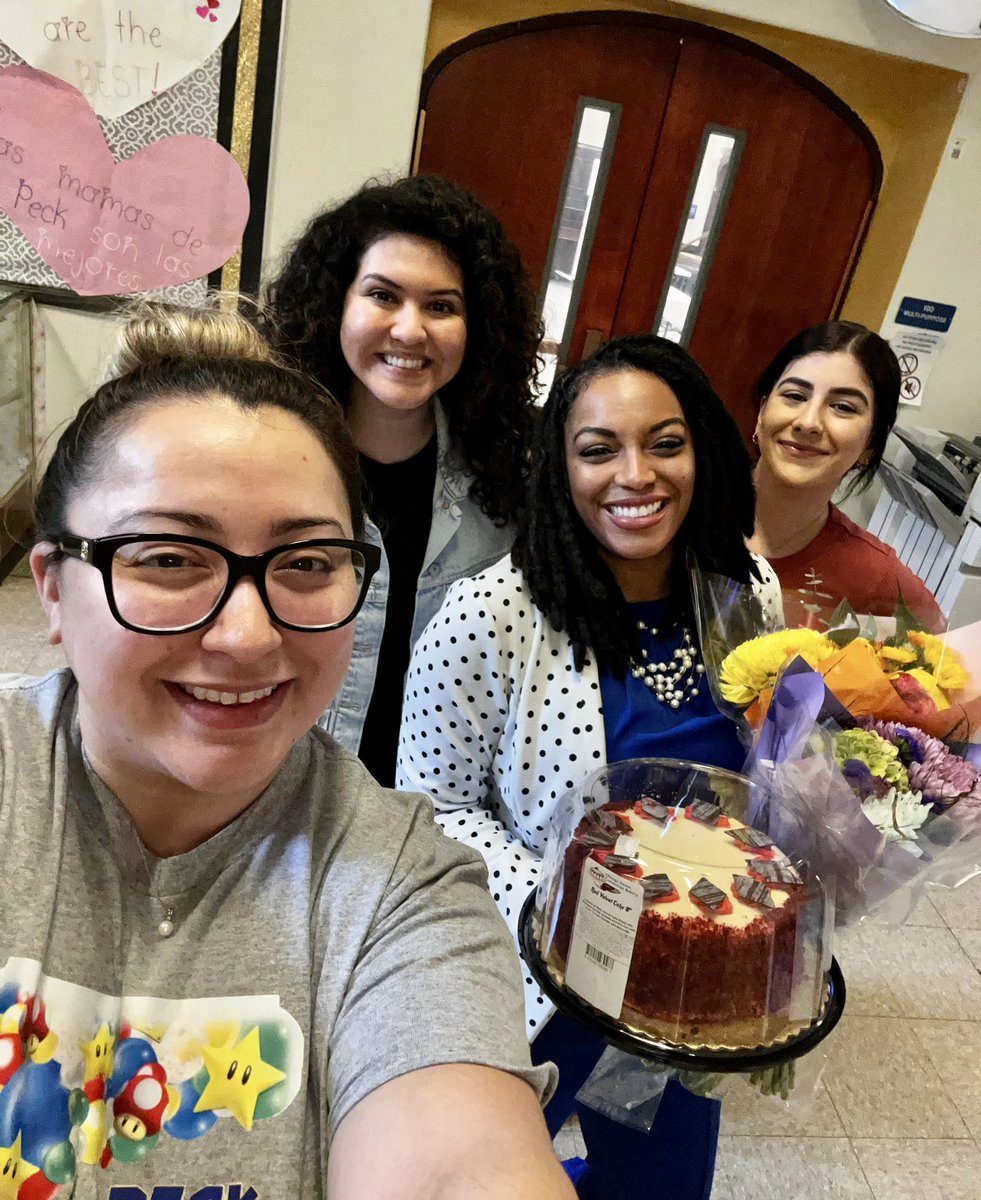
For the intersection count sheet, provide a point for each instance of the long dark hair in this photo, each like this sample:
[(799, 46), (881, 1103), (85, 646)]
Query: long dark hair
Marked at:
[(567, 577), (489, 402), (180, 354), (876, 358)]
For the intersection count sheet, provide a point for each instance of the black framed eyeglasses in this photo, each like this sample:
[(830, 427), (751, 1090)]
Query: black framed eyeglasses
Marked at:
[(159, 584)]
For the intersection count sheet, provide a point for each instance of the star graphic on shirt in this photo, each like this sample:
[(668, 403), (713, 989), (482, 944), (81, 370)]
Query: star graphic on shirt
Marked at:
[(99, 1054), (237, 1077), (13, 1170), (93, 1133)]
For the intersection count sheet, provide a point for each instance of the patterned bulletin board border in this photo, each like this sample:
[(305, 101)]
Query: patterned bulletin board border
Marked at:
[(228, 98)]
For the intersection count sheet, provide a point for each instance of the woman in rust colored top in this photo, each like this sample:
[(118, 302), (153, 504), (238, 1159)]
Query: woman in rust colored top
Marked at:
[(828, 401)]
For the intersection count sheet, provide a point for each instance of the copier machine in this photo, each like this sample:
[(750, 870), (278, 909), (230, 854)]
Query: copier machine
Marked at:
[(929, 511)]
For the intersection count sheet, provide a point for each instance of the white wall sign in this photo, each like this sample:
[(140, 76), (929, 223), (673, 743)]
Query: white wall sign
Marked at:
[(917, 336), (118, 55)]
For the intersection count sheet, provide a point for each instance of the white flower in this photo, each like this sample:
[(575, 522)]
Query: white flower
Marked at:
[(898, 815)]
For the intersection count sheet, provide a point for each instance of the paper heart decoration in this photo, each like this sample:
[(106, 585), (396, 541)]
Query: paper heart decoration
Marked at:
[(118, 55), (173, 212)]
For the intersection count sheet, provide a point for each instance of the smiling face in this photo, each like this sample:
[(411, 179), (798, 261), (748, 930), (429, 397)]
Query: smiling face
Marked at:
[(404, 326), (631, 468), (249, 481), (815, 425)]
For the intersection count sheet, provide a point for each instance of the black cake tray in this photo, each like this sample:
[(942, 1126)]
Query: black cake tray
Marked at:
[(670, 1054)]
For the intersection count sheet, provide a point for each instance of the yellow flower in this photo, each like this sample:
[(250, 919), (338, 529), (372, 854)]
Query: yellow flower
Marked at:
[(946, 664), (754, 665), (891, 657)]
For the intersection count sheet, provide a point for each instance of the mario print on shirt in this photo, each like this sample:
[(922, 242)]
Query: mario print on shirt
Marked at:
[(87, 1080)]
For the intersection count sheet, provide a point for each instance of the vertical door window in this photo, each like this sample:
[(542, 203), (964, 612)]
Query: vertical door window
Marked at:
[(701, 224), (587, 166)]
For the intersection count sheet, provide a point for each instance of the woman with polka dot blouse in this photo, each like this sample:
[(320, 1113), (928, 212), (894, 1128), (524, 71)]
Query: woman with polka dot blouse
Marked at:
[(546, 665)]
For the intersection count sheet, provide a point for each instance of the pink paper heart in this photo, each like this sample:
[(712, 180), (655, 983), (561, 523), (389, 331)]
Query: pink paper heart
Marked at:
[(175, 211), (203, 12)]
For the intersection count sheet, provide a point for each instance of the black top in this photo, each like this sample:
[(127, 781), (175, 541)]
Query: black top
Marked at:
[(400, 502)]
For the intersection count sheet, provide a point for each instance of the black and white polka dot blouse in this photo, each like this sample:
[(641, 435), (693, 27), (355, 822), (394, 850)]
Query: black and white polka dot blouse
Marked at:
[(497, 725)]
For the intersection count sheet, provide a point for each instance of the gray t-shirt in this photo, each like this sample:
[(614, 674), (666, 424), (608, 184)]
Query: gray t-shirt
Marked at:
[(327, 941)]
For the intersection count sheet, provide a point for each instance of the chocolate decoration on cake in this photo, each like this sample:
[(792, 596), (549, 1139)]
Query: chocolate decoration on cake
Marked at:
[(779, 873), (707, 894), (654, 808), (703, 791), (692, 962), (751, 838), (598, 838), (705, 811), (619, 862), (752, 891), (610, 820), (656, 887)]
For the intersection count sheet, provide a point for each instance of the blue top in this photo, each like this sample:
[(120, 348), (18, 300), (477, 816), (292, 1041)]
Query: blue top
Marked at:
[(638, 725)]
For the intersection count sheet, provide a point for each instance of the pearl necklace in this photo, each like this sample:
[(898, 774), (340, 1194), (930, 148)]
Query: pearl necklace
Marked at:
[(673, 683), (166, 927)]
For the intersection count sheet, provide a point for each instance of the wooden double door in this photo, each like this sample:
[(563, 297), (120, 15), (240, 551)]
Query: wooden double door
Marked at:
[(499, 113)]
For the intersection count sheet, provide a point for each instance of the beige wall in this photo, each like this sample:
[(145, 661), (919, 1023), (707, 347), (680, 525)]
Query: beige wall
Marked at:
[(348, 91), (346, 109)]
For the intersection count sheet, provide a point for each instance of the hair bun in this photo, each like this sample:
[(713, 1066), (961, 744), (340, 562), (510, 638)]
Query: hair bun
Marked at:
[(154, 332)]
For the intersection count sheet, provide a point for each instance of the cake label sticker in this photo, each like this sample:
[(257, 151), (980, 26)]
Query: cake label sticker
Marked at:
[(626, 847), (603, 936)]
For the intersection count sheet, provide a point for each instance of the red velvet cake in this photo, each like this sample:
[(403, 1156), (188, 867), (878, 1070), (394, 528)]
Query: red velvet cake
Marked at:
[(716, 949)]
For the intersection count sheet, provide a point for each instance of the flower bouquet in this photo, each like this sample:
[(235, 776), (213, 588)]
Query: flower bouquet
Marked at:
[(852, 747), (879, 809), (911, 677)]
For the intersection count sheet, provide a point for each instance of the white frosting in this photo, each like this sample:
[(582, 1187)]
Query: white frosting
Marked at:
[(686, 851)]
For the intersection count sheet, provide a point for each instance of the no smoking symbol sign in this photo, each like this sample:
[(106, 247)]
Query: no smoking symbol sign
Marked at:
[(910, 385)]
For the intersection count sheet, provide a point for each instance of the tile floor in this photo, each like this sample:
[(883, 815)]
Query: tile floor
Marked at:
[(896, 1112)]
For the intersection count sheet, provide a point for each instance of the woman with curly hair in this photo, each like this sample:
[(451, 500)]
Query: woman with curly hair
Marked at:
[(411, 305), (580, 649)]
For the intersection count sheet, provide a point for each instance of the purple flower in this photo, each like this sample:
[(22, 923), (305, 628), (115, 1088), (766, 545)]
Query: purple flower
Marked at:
[(943, 777), (916, 740), (940, 775), (861, 780)]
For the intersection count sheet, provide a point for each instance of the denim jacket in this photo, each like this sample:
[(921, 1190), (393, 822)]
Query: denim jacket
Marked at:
[(463, 541)]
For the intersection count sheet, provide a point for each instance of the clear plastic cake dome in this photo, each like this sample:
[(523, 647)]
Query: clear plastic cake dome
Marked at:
[(665, 909)]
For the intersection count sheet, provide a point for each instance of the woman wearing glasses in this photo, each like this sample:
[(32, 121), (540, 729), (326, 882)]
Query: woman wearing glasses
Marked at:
[(226, 955), (411, 306)]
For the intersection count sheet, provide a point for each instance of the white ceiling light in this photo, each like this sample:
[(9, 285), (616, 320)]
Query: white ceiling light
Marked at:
[(955, 18)]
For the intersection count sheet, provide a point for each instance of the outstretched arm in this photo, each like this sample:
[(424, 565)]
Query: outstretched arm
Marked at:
[(450, 1132)]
